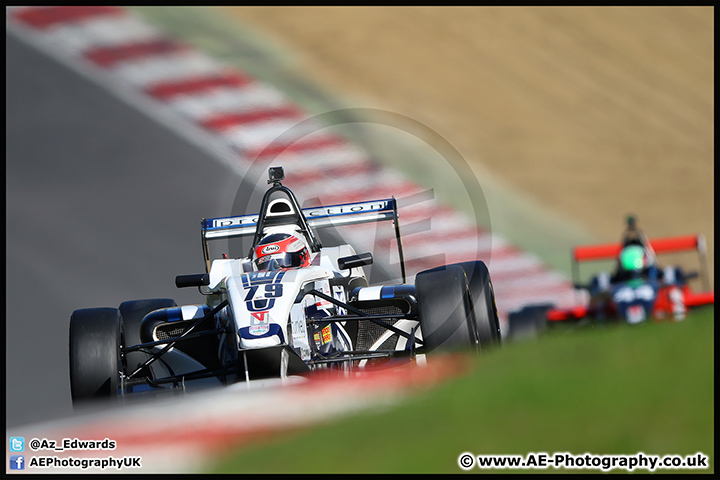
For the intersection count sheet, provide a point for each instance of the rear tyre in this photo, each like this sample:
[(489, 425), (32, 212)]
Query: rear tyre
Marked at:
[(132, 312), (444, 310), (95, 335), (528, 322), (482, 302)]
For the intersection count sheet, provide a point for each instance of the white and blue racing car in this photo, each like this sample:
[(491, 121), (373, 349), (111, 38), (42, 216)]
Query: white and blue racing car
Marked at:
[(288, 308)]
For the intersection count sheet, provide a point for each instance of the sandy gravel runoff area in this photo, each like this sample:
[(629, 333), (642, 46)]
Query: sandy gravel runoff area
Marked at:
[(593, 112)]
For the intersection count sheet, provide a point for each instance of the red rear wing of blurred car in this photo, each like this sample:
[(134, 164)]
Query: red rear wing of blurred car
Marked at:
[(609, 251)]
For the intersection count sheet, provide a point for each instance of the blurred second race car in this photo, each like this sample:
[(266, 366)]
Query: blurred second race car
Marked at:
[(638, 290)]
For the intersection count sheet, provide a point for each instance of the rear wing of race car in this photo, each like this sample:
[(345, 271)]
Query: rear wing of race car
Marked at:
[(611, 251), (317, 217)]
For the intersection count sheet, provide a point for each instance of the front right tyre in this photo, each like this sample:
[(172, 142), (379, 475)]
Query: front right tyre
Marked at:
[(95, 339)]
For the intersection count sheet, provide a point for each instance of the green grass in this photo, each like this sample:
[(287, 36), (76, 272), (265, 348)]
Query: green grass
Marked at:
[(604, 390)]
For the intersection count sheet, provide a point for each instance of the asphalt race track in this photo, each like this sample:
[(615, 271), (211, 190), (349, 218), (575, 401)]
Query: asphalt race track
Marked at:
[(103, 205)]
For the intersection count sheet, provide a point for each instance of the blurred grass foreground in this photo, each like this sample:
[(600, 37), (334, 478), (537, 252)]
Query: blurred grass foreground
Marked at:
[(602, 390)]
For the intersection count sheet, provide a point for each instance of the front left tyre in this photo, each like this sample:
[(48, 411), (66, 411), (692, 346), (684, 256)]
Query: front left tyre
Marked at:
[(95, 339)]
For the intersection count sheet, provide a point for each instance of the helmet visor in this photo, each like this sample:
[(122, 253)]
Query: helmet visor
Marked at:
[(280, 260), (632, 258)]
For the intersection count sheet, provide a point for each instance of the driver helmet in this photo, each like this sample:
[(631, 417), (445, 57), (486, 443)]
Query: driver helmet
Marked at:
[(281, 250), (633, 258)]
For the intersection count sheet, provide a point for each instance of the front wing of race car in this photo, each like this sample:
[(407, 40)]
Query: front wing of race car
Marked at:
[(277, 361)]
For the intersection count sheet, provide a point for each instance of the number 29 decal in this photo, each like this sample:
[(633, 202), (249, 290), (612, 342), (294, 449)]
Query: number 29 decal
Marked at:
[(265, 299)]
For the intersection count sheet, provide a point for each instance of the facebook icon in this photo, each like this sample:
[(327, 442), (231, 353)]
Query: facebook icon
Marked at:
[(17, 462)]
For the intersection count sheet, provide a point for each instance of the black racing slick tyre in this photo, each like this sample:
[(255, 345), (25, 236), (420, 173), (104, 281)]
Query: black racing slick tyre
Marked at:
[(482, 302), (132, 313), (95, 335), (444, 310), (528, 322)]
